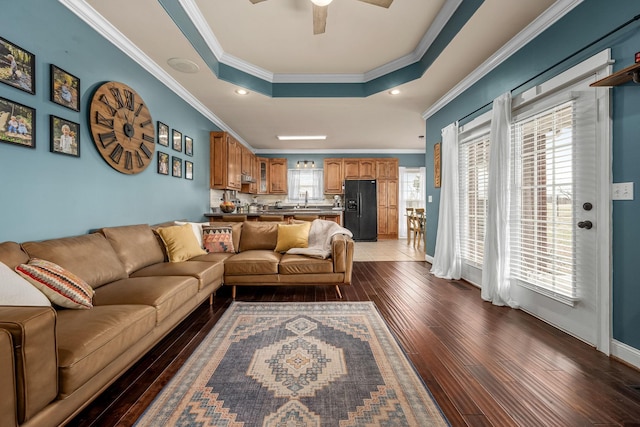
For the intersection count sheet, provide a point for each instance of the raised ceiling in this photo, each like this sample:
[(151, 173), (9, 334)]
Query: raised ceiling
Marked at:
[(333, 84)]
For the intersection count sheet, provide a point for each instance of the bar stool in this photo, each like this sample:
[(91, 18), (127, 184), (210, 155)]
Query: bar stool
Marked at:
[(305, 217), (409, 214), (234, 218), (271, 218)]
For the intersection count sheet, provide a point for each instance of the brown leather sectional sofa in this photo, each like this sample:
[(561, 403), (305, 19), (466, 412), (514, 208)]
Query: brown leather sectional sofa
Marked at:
[(54, 361)]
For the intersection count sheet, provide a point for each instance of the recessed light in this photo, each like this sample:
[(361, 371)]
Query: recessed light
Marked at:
[(301, 137), (394, 91), (242, 91), (183, 65)]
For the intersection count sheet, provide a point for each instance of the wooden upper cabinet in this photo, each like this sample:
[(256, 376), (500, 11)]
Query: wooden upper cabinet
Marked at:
[(247, 161), (387, 168), (225, 162), (262, 176), (359, 168), (367, 169), (333, 176), (278, 176)]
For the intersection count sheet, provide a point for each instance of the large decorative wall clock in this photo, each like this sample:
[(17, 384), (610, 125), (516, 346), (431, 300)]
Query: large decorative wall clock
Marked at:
[(122, 128)]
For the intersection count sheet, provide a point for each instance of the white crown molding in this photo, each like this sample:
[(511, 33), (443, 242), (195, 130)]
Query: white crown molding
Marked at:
[(340, 150), (103, 27), (195, 15), (550, 16)]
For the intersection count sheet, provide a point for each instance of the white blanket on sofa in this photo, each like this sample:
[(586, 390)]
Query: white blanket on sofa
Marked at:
[(320, 235)]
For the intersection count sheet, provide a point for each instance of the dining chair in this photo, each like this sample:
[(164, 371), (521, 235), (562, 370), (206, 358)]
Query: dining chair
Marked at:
[(409, 214), (419, 222)]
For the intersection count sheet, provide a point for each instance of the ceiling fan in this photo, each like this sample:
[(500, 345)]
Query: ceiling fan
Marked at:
[(320, 8)]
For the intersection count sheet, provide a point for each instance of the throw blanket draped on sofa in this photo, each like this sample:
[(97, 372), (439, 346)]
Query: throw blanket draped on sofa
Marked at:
[(320, 235)]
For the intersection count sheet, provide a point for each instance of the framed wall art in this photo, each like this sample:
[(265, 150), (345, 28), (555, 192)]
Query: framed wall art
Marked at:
[(65, 88), (188, 146), (188, 169), (176, 167), (65, 137), (17, 123), (177, 140), (17, 66), (163, 134), (163, 163), (436, 165)]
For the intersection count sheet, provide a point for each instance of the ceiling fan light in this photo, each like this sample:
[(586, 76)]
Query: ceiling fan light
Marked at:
[(321, 2)]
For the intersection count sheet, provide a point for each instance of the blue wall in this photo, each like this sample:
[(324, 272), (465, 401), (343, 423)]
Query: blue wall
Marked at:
[(578, 29), (45, 195)]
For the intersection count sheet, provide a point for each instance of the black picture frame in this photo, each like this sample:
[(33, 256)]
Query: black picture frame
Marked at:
[(65, 136), (163, 134), (163, 163), (18, 65), (188, 145), (188, 170), (176, 137), (23, 131), (65, 88), (176, 166)]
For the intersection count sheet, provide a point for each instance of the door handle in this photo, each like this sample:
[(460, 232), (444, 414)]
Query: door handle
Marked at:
[(585, 224)]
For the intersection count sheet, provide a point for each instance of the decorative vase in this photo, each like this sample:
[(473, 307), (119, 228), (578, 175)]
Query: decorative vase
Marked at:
[(227, 206)]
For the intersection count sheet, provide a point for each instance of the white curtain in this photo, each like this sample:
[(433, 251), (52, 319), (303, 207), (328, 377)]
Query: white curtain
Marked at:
[(447, 262), (496, 286)]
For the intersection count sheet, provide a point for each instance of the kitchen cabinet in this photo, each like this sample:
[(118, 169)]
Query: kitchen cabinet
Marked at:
[(333, 176), (387, 169), (225, 162), (278, 176), (359, 169), (248, 172), (263, 175), (387, 208), (247, 161)]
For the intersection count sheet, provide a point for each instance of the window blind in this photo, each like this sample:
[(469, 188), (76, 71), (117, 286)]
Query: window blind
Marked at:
[(474, 181)]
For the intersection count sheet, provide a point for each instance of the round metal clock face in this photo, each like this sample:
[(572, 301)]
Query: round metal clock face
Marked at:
[(122, 128)]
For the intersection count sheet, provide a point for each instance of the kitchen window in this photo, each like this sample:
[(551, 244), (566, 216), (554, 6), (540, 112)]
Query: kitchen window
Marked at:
[(306, 185)]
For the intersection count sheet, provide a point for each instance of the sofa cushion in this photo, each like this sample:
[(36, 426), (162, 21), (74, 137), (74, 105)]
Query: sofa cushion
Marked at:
[(89, 257), (252, 262), (88, 340), (292, 236), (165, 293), (62, 287), (12, 255), (136, 245), (196, 227), (300, 264), (17, 291), (205, 272), (258, 235), (217, 239), (180, 242)]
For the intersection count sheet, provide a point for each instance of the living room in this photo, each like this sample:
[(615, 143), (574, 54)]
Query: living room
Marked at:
[(46, 195)]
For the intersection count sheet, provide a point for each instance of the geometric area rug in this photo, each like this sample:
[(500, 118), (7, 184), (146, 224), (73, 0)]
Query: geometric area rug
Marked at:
[(296, 364)]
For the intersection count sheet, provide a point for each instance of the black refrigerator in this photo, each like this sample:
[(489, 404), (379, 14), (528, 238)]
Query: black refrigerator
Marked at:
[(361, 209)]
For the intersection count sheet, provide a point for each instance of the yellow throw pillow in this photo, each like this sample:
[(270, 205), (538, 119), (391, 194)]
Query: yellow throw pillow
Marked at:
[(292, 236), (180, 242)]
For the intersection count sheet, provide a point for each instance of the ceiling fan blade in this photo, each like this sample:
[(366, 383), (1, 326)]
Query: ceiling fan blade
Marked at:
[(319, 18), (382, 3), (256, 1)]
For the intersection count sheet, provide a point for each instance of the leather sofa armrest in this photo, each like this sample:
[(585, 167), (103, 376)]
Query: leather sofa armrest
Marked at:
[(33, 333), (8, 402), (342, 255)]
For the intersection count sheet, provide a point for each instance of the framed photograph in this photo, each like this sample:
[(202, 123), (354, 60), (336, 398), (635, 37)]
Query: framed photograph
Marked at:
[(65, 137), (188, 169), (65, 88), (436, 165), (177, 140), (17, 66), (188, 145), (176, 167), (163, 163), (17, 123), (163, 134)]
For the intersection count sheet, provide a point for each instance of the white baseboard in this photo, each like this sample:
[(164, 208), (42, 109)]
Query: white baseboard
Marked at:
[(626, 353), (428, 258)]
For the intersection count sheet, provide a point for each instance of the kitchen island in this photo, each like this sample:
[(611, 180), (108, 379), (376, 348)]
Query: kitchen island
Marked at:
[(289, 214)]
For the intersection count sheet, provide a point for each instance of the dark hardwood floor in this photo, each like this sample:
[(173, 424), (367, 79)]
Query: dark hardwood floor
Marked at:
[(485, 365)]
